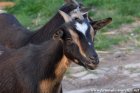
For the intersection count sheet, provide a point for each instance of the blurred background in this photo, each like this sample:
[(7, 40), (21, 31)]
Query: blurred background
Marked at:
[(118, 44)]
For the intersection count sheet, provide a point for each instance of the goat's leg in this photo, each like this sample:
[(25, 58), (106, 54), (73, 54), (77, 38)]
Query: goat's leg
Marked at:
[(60, 90)]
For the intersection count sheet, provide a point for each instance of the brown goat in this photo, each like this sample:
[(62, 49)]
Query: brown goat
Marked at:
[(16, 36), (40, 68)]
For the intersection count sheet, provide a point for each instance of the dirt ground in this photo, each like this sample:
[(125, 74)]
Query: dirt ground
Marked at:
[(118, 71)]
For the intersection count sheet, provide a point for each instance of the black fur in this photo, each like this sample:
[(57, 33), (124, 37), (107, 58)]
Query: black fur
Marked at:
[(26, 67)]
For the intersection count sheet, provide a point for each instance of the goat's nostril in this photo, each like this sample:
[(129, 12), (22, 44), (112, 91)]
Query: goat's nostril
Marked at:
[(92, 58), (95, 60)]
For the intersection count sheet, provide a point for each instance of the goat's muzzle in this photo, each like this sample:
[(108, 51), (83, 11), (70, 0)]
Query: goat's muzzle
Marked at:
[(89, 63)]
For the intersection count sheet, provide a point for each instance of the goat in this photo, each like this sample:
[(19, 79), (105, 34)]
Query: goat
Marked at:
[(48, 33), (40, 68), (14, 35)]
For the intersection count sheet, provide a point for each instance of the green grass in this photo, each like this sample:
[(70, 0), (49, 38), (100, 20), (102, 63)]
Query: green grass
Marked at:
[(35, 13), (136, 32), (104, 42), (122, 11), (28, 11)]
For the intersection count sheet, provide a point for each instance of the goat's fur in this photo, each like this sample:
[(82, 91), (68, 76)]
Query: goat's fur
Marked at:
[(33, 68)]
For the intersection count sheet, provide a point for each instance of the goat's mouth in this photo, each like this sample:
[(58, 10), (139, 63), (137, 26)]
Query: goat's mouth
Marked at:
[(87, 63)]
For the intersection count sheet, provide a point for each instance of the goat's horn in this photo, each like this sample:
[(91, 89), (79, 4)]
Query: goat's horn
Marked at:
[(79, 13), (66, 17)]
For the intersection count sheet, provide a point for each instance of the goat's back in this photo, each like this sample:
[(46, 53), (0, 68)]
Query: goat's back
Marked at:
[(12, 33)]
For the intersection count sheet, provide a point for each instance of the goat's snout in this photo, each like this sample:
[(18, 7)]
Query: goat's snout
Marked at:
[(94, 60)]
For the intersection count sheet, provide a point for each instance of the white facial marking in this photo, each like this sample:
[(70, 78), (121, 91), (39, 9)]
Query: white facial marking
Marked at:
[(89, 43), (82, 27)]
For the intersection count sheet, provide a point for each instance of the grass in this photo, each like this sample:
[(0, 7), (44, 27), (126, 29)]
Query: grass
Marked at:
[(28, 11), (35, 13), (136, 33), (122, 11), (104, 42)]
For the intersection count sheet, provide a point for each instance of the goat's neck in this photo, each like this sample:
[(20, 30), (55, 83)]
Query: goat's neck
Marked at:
[(48, 29), (46, 32), (58, 65)]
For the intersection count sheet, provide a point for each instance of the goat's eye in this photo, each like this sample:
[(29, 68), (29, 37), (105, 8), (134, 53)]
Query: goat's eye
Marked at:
[(85, 15), (76, 18), (69, 39)]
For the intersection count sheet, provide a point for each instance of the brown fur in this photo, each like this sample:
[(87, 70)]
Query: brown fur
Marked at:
[(32, 69), (47, 85), (75, 37), (11, 71)]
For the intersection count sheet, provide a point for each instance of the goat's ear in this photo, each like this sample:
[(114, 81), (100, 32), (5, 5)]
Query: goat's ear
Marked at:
[(58, 34), (66, 17), (100, 23)]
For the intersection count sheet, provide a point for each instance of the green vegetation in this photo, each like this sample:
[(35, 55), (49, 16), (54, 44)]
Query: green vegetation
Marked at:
[(136, 37), (103, 42), (137, 31), (35, 13), (122, 11)]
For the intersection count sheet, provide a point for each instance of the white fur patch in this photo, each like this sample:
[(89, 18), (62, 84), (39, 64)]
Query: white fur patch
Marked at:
[(82, 27), (89, 43)]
